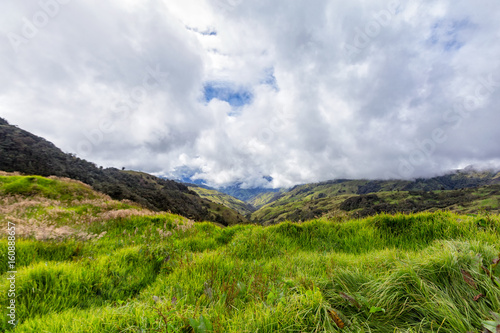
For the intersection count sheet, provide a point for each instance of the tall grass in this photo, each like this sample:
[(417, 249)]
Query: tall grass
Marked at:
[(146, 272), (54, 188)]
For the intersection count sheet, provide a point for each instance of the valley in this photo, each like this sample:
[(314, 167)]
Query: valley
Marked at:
[(108, 250), (463, 192), (88, 263)]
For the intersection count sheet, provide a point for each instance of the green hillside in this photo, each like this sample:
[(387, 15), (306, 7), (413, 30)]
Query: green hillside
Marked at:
[(245, 194), (264, 198), (460, 179), (21, 151), (464, 201), (223, 199), (24, 152), (452, 181), (87, 263), (459, 191)]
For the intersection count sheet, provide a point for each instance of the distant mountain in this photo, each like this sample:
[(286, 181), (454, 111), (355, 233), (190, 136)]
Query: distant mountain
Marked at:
[(245, 194), (463, 191), (29, 154), (264, 198), (304, 202), (452, 181), (223, 199), (458, 190)]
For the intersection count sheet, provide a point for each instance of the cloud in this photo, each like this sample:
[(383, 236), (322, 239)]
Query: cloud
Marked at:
[(236, 91)]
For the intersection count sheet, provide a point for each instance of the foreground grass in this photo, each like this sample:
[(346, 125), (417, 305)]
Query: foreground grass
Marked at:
[(145, 272)]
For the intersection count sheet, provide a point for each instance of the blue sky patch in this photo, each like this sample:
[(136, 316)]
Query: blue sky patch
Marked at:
[(235, 96), (446, 34)]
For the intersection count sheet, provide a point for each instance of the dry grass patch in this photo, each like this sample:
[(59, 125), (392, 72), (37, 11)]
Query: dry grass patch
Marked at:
[(41, 218)]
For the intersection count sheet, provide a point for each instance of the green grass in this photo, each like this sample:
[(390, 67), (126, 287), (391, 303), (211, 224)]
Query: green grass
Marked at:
[(425, 272), (285, 277), (223, 199), (301, 204), (50, 188)]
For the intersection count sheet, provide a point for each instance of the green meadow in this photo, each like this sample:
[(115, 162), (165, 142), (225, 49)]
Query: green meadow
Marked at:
[(86, 263)]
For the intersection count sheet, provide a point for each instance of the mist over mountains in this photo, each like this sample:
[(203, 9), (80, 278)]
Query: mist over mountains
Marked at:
[(228, 166), (235, 91), (24, 152)]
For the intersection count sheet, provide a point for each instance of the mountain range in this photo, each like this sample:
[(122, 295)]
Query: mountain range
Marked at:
[(463, 191), (24, 152)]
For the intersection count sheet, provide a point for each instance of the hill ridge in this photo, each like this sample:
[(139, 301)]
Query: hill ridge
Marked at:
[(27, 153)]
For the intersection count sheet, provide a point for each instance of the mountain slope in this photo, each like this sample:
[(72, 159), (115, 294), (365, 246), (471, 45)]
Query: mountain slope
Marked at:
[(452, 181), (223, 199), (245, 194), (463, 201), (308, 201), (89, 264), (264, 198), (27, 153)]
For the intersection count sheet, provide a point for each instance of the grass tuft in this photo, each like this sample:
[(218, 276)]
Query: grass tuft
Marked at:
[(140, 271)]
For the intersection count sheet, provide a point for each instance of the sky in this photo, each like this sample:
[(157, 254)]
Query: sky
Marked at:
[(260, 93)]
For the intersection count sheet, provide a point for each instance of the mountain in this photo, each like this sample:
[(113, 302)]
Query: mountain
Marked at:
[(264, 198), (223, 199), (462, 191), (451, 181), (89, 264), (24, 152), (245, 194), (459, 191)]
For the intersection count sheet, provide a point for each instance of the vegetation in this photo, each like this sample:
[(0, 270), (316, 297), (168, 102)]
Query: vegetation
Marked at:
[(461, 179), (266, 197), (486, 198), (463, 192), (87, 263), (246, 194), (309, 201), (223, 199), (24, 152)]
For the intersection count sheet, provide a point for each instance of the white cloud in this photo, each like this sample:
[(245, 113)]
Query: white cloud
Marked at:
[(84, 82)]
